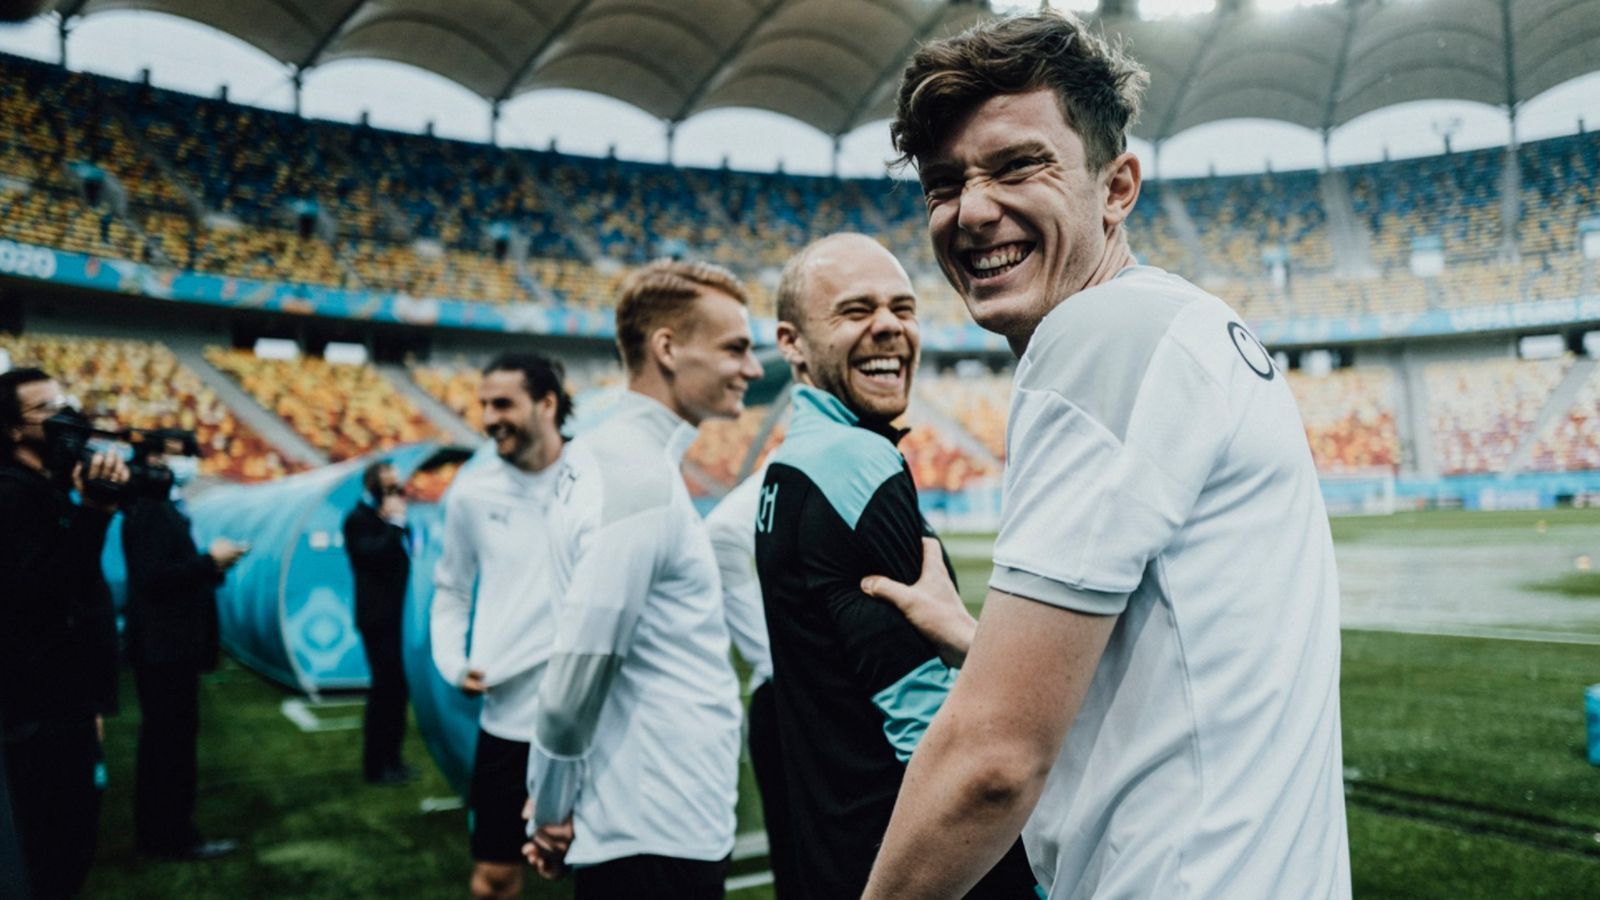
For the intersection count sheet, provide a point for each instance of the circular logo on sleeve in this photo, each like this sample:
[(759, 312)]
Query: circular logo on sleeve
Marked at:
[(1255, 355)]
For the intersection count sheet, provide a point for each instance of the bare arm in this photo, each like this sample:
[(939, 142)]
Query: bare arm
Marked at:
[(933, 605), (978, 772)]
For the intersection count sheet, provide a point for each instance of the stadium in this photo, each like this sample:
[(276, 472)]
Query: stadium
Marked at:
[(303, 293)]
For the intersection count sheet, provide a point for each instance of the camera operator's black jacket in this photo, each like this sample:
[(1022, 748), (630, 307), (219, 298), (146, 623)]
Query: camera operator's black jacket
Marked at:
[(172, 600), (381, 565), (58, 634)]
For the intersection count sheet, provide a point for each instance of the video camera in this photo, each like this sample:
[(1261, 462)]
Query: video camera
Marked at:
[(72, 441)]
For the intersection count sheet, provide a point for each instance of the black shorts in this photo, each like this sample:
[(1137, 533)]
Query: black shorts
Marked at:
[(495, 798), (651, 876)]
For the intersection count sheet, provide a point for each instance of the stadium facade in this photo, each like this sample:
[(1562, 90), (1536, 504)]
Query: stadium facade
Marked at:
[(1397, 294)]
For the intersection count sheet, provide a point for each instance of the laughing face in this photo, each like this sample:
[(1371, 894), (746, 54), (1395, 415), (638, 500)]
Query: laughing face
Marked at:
[(1017, 220), (523, 428), (858, 338)]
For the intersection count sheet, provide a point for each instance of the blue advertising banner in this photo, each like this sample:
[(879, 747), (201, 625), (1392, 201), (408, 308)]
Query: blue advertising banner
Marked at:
[(1430, 323), (128, 277)]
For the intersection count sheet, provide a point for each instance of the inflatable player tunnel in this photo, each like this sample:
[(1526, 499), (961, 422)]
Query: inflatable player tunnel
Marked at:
[(287, 610)]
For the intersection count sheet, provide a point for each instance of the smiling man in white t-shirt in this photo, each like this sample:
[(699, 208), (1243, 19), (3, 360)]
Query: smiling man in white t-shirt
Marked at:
[(1152, 698), (633, 769), (494, 582)]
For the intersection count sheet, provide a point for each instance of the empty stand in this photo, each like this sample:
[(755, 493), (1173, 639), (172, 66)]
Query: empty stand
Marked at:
[(342, 410), (136, 384), (1350, 418), (1572, 440), (977, 402), (1481, 411), (212, 186)]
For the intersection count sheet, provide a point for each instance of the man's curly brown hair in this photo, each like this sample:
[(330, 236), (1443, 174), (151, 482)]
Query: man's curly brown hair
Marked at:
[(1098, 86)]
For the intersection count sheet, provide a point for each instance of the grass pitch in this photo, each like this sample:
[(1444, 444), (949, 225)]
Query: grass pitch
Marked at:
[(1465, 766)]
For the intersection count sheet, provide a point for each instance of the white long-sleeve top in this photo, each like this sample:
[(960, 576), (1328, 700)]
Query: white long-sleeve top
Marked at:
[(638, 715), (494, 582), (732, 526)]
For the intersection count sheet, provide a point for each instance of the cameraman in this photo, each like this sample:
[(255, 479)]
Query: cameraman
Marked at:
[(172, 638), (58, 659)]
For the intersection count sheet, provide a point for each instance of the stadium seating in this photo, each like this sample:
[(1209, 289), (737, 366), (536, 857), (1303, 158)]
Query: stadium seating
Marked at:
[(1454, 198), (1558, 191), (940, 464), (429, 486), (1349, 415), (1479, 412), (342, 410), (1244, 216), (136, 384), (61, 219), (978, 403), (1151, 233), (723, 444), (213, 186), (1573, 440), (454, 386), (115, 169)]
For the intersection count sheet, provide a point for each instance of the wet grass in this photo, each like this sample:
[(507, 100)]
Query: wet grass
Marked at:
[(1465, 760)]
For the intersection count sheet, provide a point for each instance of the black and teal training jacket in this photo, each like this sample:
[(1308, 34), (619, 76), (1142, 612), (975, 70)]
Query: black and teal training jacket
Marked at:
[(856, 685)]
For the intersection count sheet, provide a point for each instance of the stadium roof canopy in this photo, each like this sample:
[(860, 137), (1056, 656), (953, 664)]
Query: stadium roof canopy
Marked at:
[(834, 64)]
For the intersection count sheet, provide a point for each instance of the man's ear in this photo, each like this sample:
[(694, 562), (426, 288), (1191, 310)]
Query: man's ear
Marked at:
[(1123, 179), (792, 345), (662, 348)]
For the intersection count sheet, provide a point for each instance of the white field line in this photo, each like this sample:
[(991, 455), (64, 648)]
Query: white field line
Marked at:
[(302, 715), (745, 882), (750, 845), (1487, 632)]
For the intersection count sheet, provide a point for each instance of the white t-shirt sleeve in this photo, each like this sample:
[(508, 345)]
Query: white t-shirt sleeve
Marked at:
[(596, 619), (733, 537), (1105, 462), (453, 579)]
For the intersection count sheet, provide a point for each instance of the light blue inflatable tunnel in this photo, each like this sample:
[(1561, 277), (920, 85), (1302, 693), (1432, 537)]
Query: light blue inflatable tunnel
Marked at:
[(287, 609)]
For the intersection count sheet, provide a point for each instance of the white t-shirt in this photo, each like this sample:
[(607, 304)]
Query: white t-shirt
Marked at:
[(497, 550), (732, 526), (638, 716), (1157, 468)]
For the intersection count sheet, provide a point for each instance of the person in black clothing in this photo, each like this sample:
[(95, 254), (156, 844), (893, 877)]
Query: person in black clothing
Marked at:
[(172, 638), (13, 876), (856, 683), (58, 651), (375, 538)]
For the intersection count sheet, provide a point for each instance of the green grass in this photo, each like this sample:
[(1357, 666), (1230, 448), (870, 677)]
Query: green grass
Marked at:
[(1469, 755), (1457, 526), (309, 826), (1468, 780), (1465, 758)]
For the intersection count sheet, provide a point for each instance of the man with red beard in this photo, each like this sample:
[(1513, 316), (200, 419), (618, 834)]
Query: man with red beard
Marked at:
[(856, 684)]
